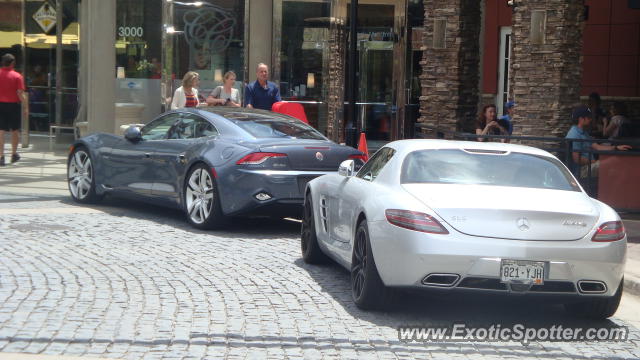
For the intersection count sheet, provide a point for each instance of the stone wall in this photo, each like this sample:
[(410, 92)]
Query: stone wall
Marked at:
[(545, 77), (449, 77)]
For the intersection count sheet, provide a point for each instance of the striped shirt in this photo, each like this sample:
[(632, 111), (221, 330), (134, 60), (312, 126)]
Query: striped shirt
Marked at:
[(191, 100)]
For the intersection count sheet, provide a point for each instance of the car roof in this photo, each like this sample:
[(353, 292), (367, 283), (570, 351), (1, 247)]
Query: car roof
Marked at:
[(434, 144)]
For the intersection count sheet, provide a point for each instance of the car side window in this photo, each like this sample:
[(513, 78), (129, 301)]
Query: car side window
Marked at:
[(158, 129), (191, 127), (372, 168)]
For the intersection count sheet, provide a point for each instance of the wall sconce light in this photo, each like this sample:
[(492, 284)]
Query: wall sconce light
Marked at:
[(311, 80), (538, 27), (439, 33), (120, 72), (194, 4), (217, 75)]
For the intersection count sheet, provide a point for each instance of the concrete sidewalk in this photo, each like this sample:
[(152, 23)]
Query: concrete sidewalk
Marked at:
[(42, 172)]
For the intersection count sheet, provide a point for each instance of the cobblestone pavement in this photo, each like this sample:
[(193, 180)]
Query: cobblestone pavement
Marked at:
[(133, 281)]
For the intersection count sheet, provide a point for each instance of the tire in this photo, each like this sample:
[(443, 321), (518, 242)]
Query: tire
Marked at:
[(311, 252), (596, 308), (81, 177), (201, 200), (367, 289)]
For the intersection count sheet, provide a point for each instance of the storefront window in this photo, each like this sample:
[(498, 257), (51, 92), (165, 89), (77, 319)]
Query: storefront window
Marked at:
[(302, 35), (138, 41), (209, 39), (51, 62)]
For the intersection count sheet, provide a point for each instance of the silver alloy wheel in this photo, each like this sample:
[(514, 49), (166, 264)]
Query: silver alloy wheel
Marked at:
[(199, 196), (80, 174)]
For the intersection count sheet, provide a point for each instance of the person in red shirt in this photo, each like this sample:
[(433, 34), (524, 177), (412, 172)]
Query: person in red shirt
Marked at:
[(12, 93)]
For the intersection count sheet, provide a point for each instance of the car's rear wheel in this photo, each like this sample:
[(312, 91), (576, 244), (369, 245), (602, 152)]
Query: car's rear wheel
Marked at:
[(367, 289), (596, 308), (311, 253), (201, 200), (81, 176)]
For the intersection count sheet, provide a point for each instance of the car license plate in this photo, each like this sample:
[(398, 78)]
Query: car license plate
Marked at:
[(522, 271)]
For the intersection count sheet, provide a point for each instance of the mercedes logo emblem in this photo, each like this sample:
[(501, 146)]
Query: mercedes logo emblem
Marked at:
[(319, 156), (523, 224)]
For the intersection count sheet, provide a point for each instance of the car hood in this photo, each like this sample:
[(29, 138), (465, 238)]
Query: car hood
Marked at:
[(510, 212)]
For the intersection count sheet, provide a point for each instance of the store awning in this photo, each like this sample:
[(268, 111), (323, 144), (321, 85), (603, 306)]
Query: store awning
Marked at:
[(70, 36), (10, 38)]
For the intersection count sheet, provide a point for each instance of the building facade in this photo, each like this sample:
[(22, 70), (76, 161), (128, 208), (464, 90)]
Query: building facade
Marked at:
[(433, 61)]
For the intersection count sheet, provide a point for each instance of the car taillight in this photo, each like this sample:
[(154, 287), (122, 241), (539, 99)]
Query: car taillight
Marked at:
[(609, 231), (258, 158), (362, 157), (414, 220)]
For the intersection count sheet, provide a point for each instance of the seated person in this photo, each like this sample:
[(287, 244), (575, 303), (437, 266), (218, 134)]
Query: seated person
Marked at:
[(506, 121), (487, 123), (582, 159), (618, 118)]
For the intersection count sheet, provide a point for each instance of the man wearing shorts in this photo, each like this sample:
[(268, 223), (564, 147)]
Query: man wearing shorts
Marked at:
[(12, 93)]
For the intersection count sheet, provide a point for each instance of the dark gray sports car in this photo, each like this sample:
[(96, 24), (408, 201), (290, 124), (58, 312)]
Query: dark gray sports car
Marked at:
[(212, 163)]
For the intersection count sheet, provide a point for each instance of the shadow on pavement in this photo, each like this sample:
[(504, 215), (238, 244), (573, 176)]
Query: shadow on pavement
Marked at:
[(259, 227), (413, 308)]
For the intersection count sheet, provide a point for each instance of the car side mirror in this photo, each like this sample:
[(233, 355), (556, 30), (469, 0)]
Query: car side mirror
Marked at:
[(346, 168), (133, 134)]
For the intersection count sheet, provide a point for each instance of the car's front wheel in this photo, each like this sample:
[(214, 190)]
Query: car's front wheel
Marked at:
[(81, 176), (201, 200), (367, 289), (598, 308)]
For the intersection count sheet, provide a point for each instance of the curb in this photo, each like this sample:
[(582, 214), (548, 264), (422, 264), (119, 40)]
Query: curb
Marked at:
[(631, 284)]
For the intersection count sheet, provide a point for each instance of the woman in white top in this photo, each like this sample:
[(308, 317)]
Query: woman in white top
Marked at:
[(225, 94), (187, 94)]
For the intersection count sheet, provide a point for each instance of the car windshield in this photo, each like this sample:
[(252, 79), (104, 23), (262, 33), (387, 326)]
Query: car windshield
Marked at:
[(479, 167), (262, 127)]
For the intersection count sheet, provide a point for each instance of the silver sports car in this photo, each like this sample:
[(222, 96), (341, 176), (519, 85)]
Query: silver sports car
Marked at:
[(454, 216), (212, 163)]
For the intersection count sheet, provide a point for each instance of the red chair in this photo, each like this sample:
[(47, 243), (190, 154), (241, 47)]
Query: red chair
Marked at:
[(292, 109)]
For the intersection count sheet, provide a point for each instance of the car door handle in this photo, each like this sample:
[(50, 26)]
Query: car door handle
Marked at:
[(182, 159), (147, 155)]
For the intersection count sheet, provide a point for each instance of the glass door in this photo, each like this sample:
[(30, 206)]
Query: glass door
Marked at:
[(380, 77), (412, 88), (51, 62), (503, 71)]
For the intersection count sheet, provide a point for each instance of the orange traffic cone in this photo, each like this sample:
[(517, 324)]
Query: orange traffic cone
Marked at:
[(362, 146)]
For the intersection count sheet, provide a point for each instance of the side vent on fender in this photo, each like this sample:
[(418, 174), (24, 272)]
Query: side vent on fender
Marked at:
[(323, 213)]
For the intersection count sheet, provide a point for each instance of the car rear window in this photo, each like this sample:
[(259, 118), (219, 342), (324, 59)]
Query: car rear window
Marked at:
[(263, 127), (454, 166)]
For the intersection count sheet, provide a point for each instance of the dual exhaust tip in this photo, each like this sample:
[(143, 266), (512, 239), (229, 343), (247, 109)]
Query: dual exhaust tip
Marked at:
[(592, 287), (449, 280), (442, 280)]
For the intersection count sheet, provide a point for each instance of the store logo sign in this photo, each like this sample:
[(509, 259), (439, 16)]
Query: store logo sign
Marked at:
[(45, 17)]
